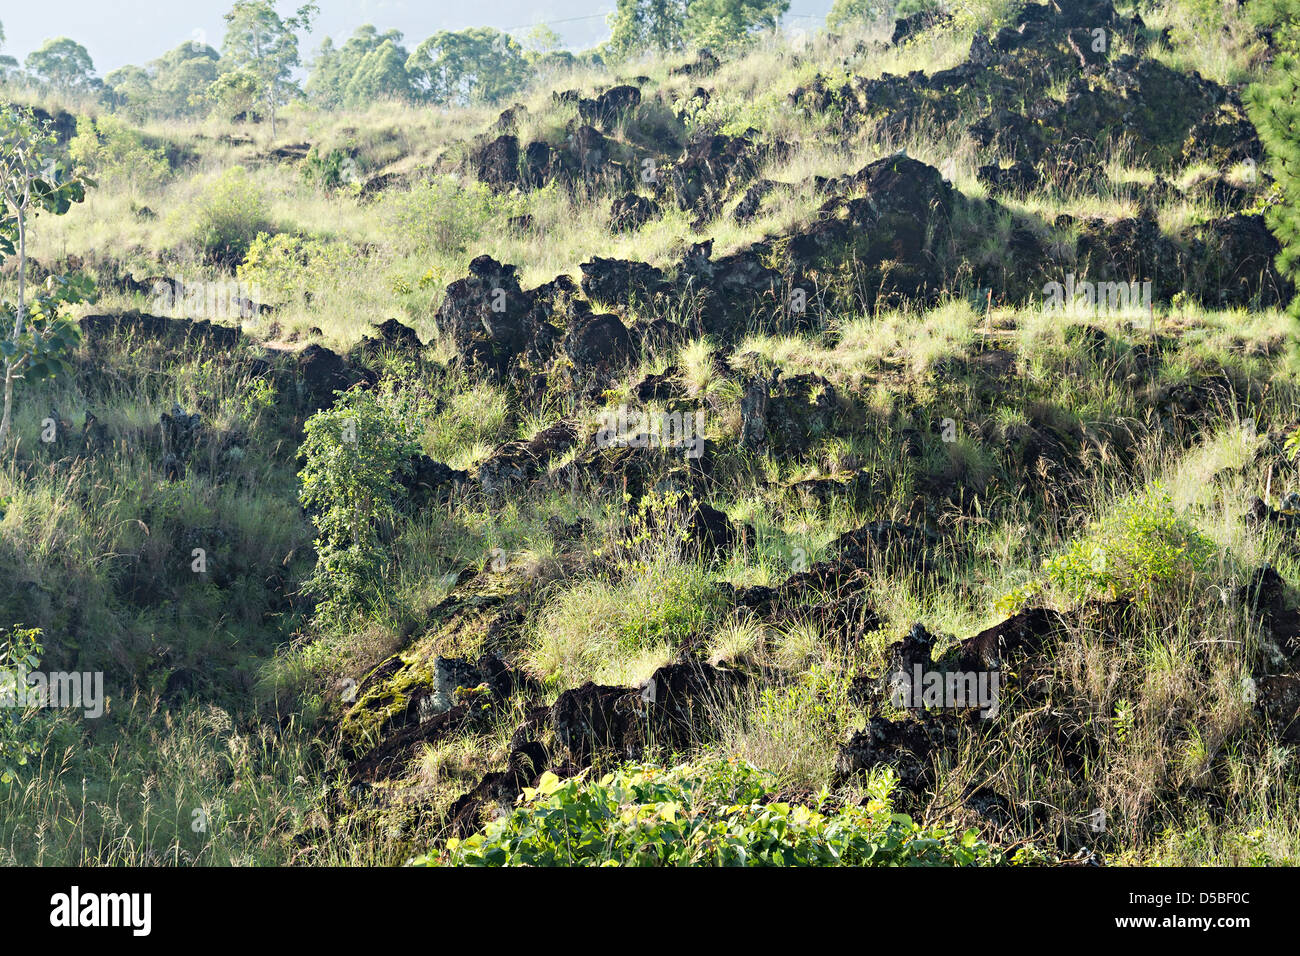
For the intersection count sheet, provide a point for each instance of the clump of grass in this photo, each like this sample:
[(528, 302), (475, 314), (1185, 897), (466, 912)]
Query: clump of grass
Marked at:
[(619, 631)]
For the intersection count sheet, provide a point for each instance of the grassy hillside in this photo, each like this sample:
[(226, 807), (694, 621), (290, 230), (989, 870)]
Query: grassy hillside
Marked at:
[(608, 459)]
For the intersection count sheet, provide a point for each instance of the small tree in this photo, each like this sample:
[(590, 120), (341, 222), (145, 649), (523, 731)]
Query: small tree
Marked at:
[(356, 453), (39, 339), (262, 42), (235, 93), (20, 652)]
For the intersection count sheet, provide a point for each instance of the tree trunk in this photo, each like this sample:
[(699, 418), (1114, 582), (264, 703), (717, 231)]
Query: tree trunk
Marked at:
[(7, 417)]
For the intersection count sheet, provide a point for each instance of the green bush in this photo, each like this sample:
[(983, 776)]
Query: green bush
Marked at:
[(1142, 547), (335, 169), (445, 216), (231, 211), (113, 151), (20, 653), (283, 266), (707, 814), (355, 455)]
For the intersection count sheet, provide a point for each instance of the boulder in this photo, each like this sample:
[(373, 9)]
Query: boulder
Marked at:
[(598, 342), (629, 213)]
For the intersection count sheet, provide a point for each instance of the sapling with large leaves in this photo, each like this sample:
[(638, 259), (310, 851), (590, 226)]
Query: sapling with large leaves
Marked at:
[(37, 340)]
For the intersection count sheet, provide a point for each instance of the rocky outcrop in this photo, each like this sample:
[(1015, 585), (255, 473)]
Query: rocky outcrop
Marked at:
[(629, 213)]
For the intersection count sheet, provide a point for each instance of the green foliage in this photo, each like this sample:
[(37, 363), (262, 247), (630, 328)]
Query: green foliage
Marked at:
[(475, 65), (724, 24), (1122, 721), (261, 42), (112, 150), (38, 339), (643, 26), (370, 66), (1281, 20), (906, 8), (335, 169), (235, 93), (542, 40), (285, 264), (228, 216), (1274, 105), (43, 349), (180, 77), (817, 699), (664, 26), (355, 454), (845, 13), (20, 653), (1142, 547), (62, 64), (128, 90), (986, 15), (707, 814), (444, 216)]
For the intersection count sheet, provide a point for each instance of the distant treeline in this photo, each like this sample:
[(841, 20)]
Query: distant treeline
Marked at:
[(259, 68)]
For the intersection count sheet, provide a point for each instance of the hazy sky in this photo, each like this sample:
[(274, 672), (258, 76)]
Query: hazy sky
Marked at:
[(117, 32)]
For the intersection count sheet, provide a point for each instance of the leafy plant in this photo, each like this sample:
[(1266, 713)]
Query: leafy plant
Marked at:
[(283, 265), (717, 813), (112, 150), (20, 652), (31, 178), (230, 213), (444, 216), (355, 455), (264, 44), (334, 169), (1274, 105), (1144, 545)]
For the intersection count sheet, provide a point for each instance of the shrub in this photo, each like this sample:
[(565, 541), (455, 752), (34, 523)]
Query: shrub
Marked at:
[(113, 151), (334, 169), (1144, 546), (1275, 109), (444, 216), (708, 814), (355, 455), (231, 211), (20, 652), (282, 266)]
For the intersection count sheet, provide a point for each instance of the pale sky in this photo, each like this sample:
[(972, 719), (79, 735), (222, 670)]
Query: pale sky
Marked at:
[(118, 32)]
